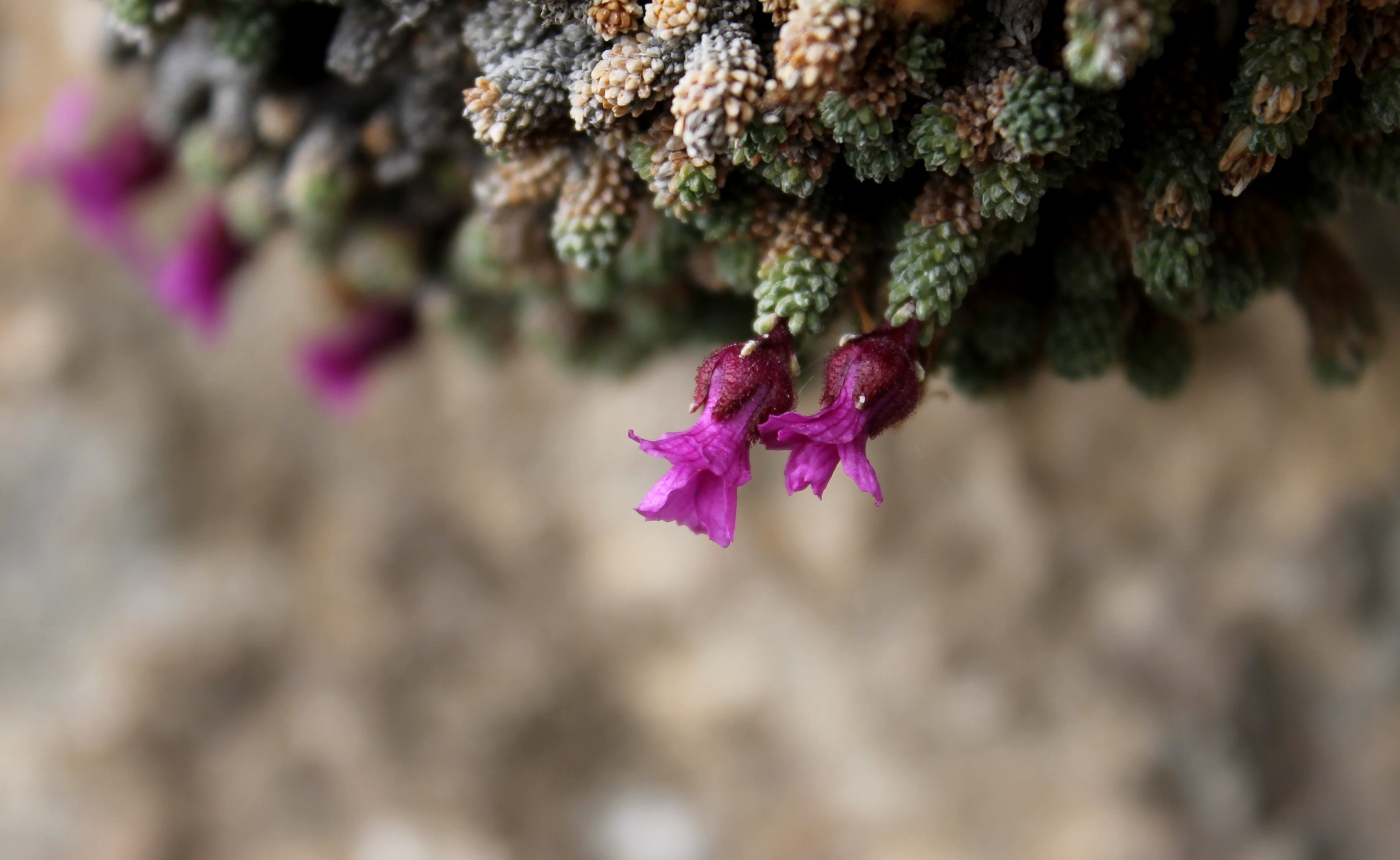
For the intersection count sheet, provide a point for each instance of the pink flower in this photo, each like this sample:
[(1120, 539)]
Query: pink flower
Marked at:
[(738, 386), (873, 382), (337, 365), (194, 282), (99, 182)]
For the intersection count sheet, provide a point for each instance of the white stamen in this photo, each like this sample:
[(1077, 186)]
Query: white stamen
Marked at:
[(860, 402), (919, 370), (748, 348), (845, 339)]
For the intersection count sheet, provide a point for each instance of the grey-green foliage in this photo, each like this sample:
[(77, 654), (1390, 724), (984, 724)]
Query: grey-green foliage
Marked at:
[(933, 268), (1085, 336), (1099, 128), (1380, 93), (590, 242), (1040, 115), (797, 287), (1157, 354), (1009, 191), (246, 32), (1279, 55), (1172, 263), (921, 53), (868, 139), (1081, 272), (1107, 41), (934, 135), (1182, 158)]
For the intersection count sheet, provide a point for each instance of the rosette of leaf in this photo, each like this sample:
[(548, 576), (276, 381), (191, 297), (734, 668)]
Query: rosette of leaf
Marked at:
[(945, 246), (528, 93), (1020, 18), (1380, 92), (1377, 167), (921, 53), (501, 28), (802, 270), (632, 76), (613, 17), (862, 119), (1178, 173), (246, 32), (1157, 353), (555, 11), (673, 19), (678, 183), (1379, 69), (524, 181), (1084, 272), (1297, 13), (1099, 128), (656, 253), (1255, 246), (594, 214), (1282, 73), (1343, 321), (778, 10), (961, 129), (1010, 191), (1040, 114), (716, 98), (505, 252), (822, 44), (994, 340), (212, 155), (319, 183), (792, 157), (364, 42), (379, 260), (1172, 262), (251, 204), (1109, 39), (143, 22), (1084, 337)]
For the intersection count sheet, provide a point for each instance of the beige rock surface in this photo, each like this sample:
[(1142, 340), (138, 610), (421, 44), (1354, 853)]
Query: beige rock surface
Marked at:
[(1082, 626)]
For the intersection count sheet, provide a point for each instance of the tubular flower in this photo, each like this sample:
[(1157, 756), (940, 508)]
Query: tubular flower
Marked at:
[(738, 386), (337, 365), (99, 182), (194, 282), (873, 382)]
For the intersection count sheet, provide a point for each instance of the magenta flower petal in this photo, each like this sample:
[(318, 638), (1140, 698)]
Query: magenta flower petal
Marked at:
[(872, 383), (70, 117), (193, 284), (857, 466), (337, 366), (698, 499), (738, 385), (811, 464), (70, 114), (100, 183)]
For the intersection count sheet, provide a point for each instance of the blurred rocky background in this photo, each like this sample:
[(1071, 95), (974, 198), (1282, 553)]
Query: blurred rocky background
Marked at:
[(1083, 626)]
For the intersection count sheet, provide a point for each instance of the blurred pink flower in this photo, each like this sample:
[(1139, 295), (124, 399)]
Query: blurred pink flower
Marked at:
[(101, 181), (194, 281), (873, 382), (738, 386), (337, 366)]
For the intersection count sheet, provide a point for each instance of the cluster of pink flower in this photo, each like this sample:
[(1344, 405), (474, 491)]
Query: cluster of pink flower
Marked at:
[(102, 182), (873, 382)]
